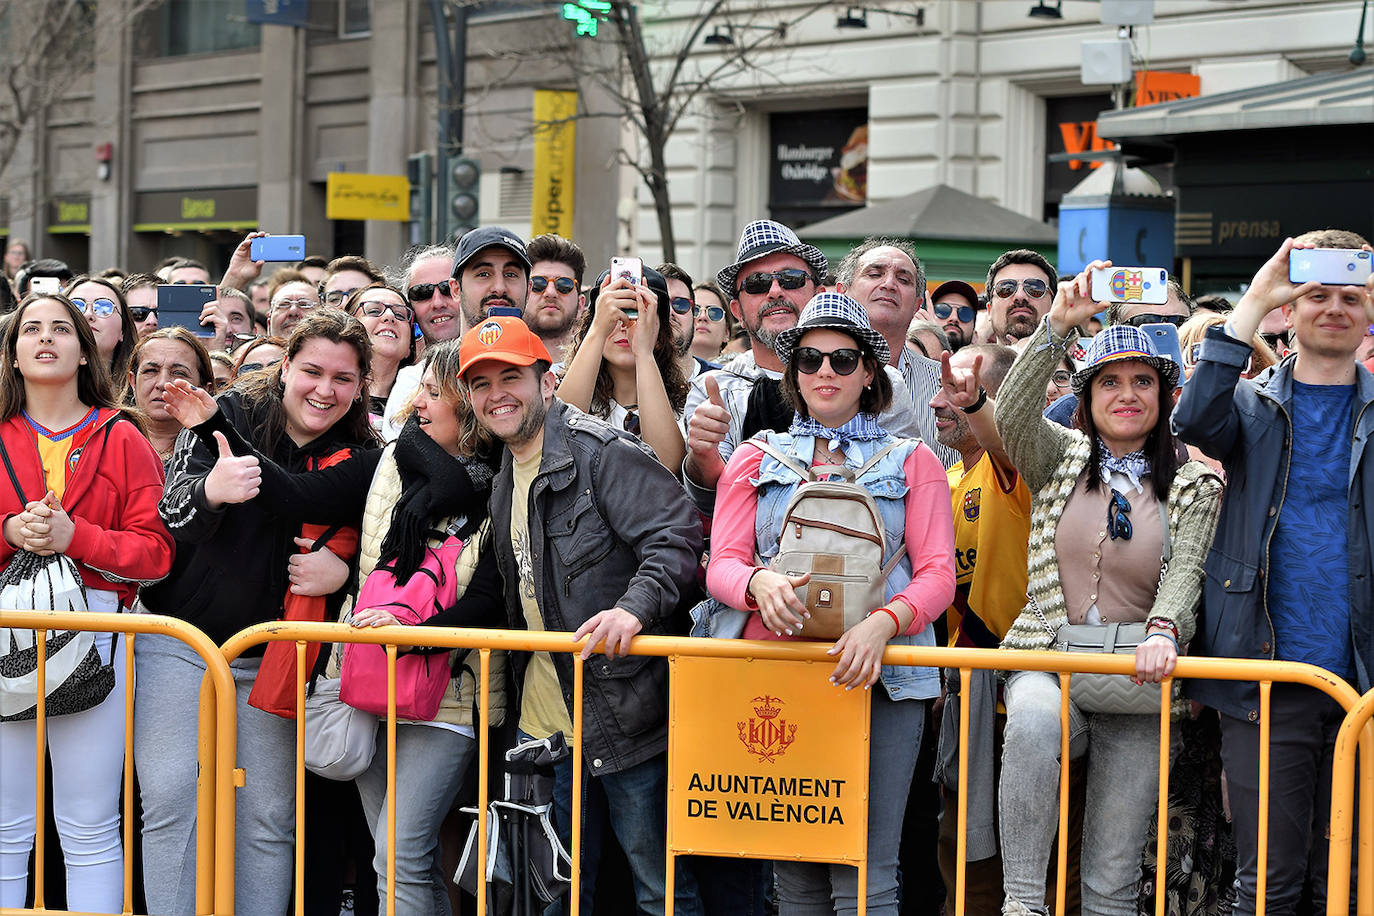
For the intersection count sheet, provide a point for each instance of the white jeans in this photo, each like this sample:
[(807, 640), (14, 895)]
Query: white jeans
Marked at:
[(87, 752)]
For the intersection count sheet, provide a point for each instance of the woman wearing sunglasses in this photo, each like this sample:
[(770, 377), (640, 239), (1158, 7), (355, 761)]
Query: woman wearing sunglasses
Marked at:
[(623, 367), (103, 304), (261, 352), (1119, 532), (833, 377), (714, 325), (390, 323)]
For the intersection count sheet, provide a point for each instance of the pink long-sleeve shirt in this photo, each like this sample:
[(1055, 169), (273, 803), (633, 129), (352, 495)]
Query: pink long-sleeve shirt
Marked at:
[(929, 539)]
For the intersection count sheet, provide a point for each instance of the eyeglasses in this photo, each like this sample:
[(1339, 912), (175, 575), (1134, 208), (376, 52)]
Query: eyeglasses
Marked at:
[(759, 283), (712, 312), (943, 311), (1137, 321), (421, 292), (682, 305), (1033, 288), (99, 308), (1061, 378), (141, 312), (304, 305), (337, 296), (562, 285), (375, 309), (1118, 522), (842, 361)]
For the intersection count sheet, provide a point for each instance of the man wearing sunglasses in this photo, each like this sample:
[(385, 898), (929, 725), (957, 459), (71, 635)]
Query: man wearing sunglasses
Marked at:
[(1021, 285), (682, 312), (1177, 308), (774, 275), (555, 304), (954, 305)]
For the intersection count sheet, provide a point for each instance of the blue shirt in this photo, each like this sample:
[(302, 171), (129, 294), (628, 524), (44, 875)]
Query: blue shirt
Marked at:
[(1309, 564)]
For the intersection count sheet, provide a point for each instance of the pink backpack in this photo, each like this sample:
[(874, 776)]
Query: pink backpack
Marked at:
[(421, 679)]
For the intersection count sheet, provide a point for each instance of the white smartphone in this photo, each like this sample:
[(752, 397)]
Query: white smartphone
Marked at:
[(631, 269), (45, 285), (1130, 284), (1330, 266)]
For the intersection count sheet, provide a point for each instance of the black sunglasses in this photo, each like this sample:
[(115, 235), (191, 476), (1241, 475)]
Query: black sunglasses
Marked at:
[(1275, 341), (943, 311), (141, 312), (842, 361), (421, 292), (1118, 522), (1137, 321), (1035, 289), (631, 423), (561, 285), (712, 312), (791, 278), (681, 305)]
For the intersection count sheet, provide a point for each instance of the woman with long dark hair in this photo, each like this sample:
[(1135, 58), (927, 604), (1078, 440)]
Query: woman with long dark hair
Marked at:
[(103, 304), (1119, 532), (90, 484), (236, 561)]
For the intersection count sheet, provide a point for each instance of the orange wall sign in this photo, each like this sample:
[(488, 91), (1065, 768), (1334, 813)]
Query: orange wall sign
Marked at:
[(767, 760), (1154, 86)]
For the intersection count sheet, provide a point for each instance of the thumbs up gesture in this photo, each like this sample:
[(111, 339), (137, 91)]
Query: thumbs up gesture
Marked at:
[(706, 430), (232, 479)]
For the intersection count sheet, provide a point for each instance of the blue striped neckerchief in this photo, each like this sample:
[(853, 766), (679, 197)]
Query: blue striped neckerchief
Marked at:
[(862, 427)]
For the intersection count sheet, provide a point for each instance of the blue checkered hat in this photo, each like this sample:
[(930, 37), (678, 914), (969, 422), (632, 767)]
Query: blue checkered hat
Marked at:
[(764, 237), (839, 313), (1120, 342)]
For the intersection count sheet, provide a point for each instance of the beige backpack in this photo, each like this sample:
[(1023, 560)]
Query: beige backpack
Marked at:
[(832, 529)]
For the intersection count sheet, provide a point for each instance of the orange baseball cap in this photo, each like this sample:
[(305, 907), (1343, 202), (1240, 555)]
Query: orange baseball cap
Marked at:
[(504, 339)]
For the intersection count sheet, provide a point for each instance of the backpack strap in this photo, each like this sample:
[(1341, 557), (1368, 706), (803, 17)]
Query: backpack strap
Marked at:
[(878, 456), (791, 464)]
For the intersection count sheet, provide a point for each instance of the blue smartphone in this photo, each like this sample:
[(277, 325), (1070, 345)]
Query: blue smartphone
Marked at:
[(504, 311), (180, 305), (1165, 338), (277, 248)]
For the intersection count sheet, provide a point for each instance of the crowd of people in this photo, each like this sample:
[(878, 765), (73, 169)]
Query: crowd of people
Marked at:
[(616, 455)]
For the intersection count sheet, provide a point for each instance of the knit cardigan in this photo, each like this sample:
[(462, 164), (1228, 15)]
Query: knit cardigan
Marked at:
[(382, 497), (1051, 458)]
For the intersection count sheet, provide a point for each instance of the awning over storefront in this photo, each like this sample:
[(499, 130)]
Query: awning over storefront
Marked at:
[(957, 235)]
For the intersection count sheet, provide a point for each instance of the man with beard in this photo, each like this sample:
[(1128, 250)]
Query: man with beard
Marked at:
[(954, 306), (774, 275), (682, 312), (555, 304), (1021, 284), (450, 290), (583, 509)]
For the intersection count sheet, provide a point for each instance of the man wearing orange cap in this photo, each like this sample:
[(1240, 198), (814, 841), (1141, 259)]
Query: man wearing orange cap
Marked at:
[(595, 537)]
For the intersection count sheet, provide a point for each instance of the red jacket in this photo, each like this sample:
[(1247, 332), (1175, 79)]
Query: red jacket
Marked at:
[(112, 497)]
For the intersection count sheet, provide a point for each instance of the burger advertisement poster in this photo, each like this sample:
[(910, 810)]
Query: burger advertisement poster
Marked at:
[(819, 162)]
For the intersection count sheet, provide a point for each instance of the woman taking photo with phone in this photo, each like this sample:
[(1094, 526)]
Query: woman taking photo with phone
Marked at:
[(235, 563), (833, 378), (1119, 532), (90, 484)]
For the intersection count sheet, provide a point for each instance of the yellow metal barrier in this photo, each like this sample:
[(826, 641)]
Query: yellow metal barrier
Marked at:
[(1266, 673), (1354, 731), (214, 794)]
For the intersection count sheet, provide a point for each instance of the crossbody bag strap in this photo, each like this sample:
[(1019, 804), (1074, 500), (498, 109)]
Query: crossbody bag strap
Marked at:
[(14, 478)]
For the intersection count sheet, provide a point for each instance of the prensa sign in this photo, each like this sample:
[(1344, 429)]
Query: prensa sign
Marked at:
[(766, 759)]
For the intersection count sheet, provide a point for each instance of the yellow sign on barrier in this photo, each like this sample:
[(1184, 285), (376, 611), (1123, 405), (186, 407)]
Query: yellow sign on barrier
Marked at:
[(773, 765), (358, 195)]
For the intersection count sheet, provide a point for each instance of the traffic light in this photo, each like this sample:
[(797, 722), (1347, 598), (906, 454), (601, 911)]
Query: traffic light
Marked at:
[(421, 197), (461, 210)]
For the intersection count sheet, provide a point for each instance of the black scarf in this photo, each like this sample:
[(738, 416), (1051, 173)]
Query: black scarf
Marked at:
[(434, 485), (767, 409)]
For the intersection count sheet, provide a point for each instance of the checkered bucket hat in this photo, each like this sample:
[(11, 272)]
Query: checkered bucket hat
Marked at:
[(837, 312), (1121, 342), (764, 237)]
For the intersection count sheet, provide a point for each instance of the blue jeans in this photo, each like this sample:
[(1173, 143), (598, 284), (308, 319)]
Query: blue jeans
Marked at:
[(431, 764), (634, 805), (166, 697), (1122, 795), (814, 888)]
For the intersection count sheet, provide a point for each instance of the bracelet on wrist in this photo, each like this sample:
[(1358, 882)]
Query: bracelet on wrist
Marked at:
[(891, 613), (1167, 636), (978, 404), (1162, 623)]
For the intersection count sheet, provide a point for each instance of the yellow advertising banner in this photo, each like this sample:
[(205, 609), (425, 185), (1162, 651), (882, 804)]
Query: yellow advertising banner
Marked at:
[(358, 195), (555, 162), (766, 759)]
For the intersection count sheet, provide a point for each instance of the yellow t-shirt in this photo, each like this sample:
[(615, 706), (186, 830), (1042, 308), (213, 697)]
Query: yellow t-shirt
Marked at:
[(542, 710), (992, 525), (60, 450)]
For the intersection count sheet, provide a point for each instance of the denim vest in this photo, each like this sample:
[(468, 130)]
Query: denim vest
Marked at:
[(887, 482)]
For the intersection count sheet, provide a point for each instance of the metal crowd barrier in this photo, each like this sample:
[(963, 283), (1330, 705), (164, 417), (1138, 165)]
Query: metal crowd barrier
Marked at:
[(218, 737), (215, 750)]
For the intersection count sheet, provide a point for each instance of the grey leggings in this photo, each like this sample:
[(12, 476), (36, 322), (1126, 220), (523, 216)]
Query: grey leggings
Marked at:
[(1123, 782)]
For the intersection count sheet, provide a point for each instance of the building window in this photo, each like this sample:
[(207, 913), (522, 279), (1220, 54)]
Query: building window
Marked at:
[(355, 18), (202, 26)]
